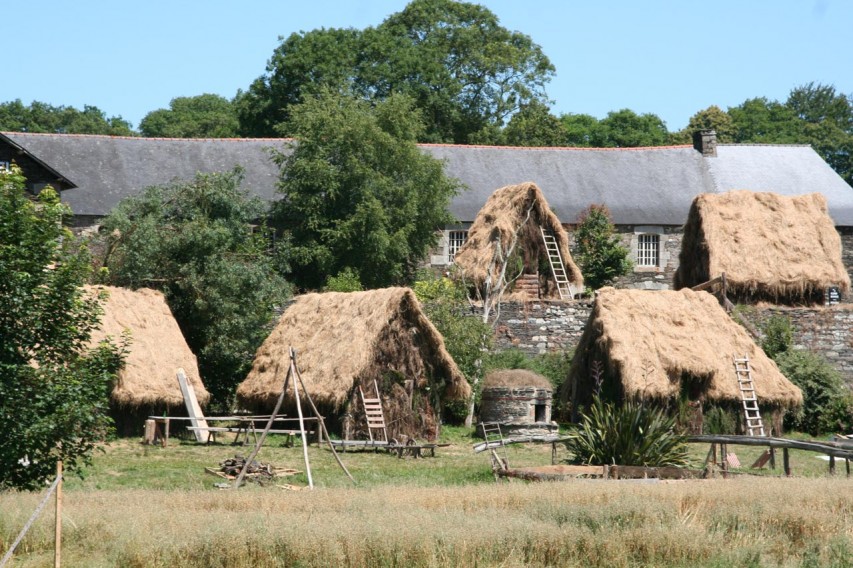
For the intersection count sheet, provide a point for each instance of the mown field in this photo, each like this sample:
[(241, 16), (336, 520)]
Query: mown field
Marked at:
[(150, 506)]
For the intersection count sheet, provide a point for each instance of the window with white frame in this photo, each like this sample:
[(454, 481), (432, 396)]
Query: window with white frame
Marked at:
[(5, 166), (648, 250), (455, 240)]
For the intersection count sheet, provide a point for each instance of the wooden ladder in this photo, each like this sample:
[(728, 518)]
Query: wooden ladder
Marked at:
[(558, 268), (495, 444), (743, 372), (374, 414)]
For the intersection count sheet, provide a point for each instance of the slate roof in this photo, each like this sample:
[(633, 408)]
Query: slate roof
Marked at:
[(641, 186), (105, 169), (650, 186)]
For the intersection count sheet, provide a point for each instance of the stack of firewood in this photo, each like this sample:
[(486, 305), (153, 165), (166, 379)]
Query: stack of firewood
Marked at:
[(257, 472)]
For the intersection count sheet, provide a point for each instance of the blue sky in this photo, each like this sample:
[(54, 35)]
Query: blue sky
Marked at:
[(668, 57)]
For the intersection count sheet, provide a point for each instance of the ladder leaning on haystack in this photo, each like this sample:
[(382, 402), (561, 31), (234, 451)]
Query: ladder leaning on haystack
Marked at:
[(558, 267)]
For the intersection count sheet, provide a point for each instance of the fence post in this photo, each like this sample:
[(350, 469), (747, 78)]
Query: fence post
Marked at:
[(58, 535)]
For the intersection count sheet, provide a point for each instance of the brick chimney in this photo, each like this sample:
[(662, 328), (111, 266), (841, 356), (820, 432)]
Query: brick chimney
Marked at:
[(705, 141)]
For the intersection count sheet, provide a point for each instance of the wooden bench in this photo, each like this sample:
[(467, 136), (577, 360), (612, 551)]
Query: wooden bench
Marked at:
[(244, 430)]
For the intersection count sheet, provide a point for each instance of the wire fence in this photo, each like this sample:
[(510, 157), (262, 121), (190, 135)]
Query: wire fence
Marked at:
[(29, 524)]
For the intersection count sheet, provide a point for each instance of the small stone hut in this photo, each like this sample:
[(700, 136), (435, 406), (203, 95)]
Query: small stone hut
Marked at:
[(518, 400)]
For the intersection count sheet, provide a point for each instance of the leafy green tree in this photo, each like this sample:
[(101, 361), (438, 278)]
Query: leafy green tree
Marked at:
[(828, 124), (627, 129), (42, 117), (194, 241), (357, 192), (53, 391), (534, 125), (712, 118), (601, 256), (463, 70), (345, 281), (580, 129), (301, 66), (467, 338), (760, 120), (204, 116)]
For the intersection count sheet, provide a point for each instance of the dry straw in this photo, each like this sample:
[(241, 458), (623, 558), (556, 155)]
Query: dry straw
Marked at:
[(650, 341), (515, 378), (346, 339), (769, 246), (157, 348), (499, 220)]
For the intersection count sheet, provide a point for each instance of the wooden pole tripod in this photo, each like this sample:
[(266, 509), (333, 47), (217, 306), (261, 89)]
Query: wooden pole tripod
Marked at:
[(292, 371)]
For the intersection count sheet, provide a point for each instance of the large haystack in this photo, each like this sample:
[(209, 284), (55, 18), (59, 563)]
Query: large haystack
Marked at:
[(344, 340), (665, 345), (783, 249), (504, 215), (148, 383)]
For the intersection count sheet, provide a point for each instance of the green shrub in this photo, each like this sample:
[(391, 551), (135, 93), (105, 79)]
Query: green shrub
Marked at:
[(826, 400), (630, 434), (346, 280), (778, 335), (718, 420)]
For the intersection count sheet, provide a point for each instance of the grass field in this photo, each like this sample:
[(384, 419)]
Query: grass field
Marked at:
[(151, 506)]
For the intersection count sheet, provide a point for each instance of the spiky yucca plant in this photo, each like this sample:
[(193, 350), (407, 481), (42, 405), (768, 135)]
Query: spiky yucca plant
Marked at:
[(630, 434)]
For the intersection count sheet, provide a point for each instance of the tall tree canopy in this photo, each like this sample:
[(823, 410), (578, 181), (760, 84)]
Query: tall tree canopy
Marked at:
[(203, 116), (357, 192), (194, 240), (53, 391), (42, 117), (627, 129), (462, 68)]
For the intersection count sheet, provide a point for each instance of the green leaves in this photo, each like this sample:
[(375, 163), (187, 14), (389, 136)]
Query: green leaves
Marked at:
[(599, 253), (630, 434), (53, 391), (357, 193), (195, 241), (463, 70)]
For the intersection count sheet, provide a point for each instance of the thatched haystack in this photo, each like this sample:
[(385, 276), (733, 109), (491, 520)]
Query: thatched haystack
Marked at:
[(666, 345), (147, 384), (518, 400), (504, 215), (782, 249), (344, 340)]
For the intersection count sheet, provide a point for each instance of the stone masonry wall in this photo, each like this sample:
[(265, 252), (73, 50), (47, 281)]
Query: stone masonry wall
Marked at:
[(828, 331), (847, 257)]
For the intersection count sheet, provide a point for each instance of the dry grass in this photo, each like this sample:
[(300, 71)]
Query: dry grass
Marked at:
[(157, 349), (346, 339), (581, 523), (648, 341), (443, 511), (769, 246), (499, 221)]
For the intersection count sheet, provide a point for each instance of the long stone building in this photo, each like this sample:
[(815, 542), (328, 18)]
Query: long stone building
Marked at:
[(648, 190)]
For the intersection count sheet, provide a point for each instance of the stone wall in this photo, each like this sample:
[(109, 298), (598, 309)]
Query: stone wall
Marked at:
[(651, 278), (541, 326), (828, 331), (847, 257)]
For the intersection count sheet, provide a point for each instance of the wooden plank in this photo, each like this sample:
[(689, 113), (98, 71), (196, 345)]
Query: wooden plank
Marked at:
[(193, 408)]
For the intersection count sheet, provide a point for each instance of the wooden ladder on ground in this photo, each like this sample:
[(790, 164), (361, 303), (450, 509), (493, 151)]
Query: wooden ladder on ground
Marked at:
[(374, 414), (558, 267), (496, 446), (743, 372)]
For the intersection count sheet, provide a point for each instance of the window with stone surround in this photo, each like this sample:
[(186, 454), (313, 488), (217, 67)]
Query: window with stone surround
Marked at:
[(455, 240), (648, 250)]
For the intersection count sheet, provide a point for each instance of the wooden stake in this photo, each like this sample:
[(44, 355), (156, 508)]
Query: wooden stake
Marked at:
[(267, 428), (322, 424), (301, 421), (57, 547)]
